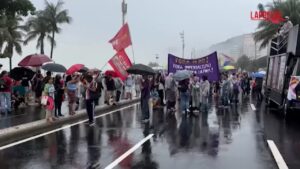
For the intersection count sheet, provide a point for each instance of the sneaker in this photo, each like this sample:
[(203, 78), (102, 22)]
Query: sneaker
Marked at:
[(92, 124)]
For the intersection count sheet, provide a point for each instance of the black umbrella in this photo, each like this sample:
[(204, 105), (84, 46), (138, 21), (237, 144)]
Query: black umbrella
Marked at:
[(83, 70), (54, 67), (19, 72), (141, 69)]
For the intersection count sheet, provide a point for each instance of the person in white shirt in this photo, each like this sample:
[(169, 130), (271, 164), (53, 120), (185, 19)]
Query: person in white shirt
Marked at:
[(128, 87), (287, 26)]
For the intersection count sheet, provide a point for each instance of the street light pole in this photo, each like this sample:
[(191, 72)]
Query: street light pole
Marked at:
[(183, 45), (124, 11)]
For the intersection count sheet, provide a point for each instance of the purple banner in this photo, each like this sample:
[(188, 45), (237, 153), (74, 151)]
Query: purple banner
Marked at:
[(207, 65)]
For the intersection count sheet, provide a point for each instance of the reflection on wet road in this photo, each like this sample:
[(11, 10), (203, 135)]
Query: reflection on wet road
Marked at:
[(222, 138)]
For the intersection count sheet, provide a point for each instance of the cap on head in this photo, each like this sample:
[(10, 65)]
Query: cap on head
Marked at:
[(287, 18)]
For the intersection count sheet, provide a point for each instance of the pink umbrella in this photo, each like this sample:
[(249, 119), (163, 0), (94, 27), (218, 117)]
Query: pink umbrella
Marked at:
[(74, 68), (34, 60)]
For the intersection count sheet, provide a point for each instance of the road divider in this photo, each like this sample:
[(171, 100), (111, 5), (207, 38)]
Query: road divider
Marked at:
[(277, 156), (22, 133)]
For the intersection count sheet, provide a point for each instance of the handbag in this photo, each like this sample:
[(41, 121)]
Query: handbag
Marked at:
[(44, 100)]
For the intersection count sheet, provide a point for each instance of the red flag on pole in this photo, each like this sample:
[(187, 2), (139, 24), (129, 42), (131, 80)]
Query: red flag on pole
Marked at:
[(120, 63), (122, 39)]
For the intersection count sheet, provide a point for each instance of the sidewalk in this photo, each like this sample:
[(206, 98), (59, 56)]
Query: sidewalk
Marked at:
[(19, 132), (32, 113)]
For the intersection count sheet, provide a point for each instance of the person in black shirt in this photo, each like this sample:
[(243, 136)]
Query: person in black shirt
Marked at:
[(59, 95), (184, 95), (110, 86)]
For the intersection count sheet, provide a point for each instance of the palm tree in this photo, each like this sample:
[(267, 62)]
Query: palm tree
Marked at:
[(12, 36), (37, 26), (267, 30), (56, 15)]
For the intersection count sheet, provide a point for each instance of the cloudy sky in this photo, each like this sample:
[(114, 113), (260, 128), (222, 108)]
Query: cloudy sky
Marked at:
[(154, 26)]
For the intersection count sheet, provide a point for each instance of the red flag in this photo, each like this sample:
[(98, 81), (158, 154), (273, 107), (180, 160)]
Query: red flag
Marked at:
[(122, 39), (120, 63)]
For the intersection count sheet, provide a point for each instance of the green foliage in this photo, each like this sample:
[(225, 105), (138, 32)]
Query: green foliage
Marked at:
[(11, 33), (16, 7), (243, 62), (55, 15), (39, 28), (266, 29)]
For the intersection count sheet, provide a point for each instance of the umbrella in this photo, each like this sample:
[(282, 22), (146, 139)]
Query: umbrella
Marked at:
[(83, 70), (141, 69), (74, 68), (94, 70), (34, 60), (18, 73), (258, 75), (182, 74), (228, 67), (54, 67), (111, 73)]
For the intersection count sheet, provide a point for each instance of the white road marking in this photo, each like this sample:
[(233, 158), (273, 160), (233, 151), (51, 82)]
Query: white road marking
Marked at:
[(56, 130), (127, 153), (276, 154), (253, 107)]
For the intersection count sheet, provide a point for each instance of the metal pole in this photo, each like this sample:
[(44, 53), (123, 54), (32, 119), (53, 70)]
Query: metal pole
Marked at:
[(183, 45), (124, 11)]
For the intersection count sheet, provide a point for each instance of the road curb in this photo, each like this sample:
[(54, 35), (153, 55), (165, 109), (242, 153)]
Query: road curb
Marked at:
[(16, 133)]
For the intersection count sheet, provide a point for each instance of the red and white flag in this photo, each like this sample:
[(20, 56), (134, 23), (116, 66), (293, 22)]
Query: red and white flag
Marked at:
[(122, 39), (120, 63)]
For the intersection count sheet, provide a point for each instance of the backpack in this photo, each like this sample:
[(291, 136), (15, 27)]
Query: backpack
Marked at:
[(3, 85)]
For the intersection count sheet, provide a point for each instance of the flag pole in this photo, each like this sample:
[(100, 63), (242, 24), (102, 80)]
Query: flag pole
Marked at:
[(104, 66), (133, 54)]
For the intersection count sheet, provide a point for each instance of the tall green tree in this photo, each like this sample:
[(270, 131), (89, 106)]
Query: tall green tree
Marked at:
[(266, 29), (11, 34), (16, 7), (243, 62), (39, 28), (56, 15)]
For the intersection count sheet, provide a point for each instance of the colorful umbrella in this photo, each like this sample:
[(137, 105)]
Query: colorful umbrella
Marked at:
[(228, 67), (54, 67), (34, 60), (258, 75), (74, 68), (111, 73)]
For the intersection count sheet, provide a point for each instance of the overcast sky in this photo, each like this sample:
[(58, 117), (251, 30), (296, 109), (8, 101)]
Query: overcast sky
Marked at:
[(154, 26)]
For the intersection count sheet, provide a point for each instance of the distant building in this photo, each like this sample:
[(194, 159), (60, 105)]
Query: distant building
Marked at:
[(238, 46)]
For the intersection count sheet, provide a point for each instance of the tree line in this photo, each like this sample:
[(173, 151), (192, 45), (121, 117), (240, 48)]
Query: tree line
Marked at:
[(40, 25)]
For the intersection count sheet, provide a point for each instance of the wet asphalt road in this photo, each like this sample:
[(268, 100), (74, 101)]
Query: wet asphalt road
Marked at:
[(220, 139), (285, 134)]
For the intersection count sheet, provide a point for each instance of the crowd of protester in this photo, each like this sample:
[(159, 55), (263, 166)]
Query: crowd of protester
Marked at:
[(51, 90), (192, 95)]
